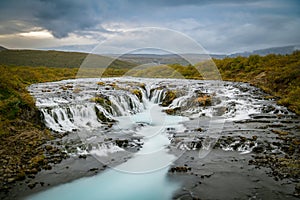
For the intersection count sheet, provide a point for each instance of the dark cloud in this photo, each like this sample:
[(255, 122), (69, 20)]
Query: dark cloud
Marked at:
[(66, 16), (61, 17), (218, 24), (188, 2)]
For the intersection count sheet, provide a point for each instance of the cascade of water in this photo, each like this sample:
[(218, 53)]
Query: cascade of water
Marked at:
[(85, 106), (131, 104)]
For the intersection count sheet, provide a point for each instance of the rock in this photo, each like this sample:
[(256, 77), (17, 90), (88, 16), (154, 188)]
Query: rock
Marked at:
[(48, 147), (254, 138), (47, 167), (169, 97), (21, 176), (122, 143), (279, 132), (251, 144), (33, 171), (93, 169), (82, 156), (180, 169), (198, 129), (258, 149), (172, 111), (138, 93), (31, 176), (204, 100), (32, 185), (11, 180), (297, 190)]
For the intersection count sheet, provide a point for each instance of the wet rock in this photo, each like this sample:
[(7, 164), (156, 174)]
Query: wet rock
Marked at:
[(169, 97), (180, 169), (280, 132), (32, 185), (172, 111), (11, 180), (258, 149), (268, 109), (48, 147), (138, 93), (32, 171), (93, 169), (47, 167), (198, 129), (204, 100), (297, 190), (21, 176), (82, 156), (122, 143), (254, 138)]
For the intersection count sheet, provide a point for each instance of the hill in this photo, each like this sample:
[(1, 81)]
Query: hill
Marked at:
[(2, 48), (274, 50), (57, 59)]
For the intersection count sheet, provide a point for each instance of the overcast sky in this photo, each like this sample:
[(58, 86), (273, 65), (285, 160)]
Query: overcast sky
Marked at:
[(220, 26)]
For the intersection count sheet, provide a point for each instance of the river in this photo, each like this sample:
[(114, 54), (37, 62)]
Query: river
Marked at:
[(135, 107)]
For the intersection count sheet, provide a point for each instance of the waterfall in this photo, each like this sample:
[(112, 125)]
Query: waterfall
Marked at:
[(82, 104), (90, 103), (162, 114)]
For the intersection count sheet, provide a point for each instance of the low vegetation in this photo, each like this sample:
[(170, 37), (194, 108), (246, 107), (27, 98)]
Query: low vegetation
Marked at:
[(59, 59), (278, 75)]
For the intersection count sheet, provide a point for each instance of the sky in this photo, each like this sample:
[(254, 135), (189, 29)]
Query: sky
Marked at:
[(219, 26)]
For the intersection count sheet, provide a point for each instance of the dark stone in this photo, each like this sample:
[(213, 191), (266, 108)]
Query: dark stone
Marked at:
[(93, 169), (32, 185), (258, 149), (82, 156), (48, 147), (254, 138)]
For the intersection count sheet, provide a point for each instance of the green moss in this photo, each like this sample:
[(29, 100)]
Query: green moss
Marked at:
[(172, 111), (101, 116), (137, 93), (204, 100), (101, 83), (101, 100), (170, 96)]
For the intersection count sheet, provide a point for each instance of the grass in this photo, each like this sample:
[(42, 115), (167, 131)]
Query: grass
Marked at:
[(278, 75), (59, 59)]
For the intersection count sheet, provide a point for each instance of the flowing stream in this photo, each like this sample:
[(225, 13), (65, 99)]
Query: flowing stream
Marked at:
[(94, 109), (142, 177)]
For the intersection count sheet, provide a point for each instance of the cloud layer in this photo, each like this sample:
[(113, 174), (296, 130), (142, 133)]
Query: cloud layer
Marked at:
[(220, 26)]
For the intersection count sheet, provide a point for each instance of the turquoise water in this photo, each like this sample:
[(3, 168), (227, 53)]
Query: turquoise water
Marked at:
[(114, 185), (144, 176)]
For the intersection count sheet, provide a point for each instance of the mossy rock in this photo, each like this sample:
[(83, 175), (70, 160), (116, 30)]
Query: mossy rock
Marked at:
[(122, 143), (279, 132), (104, 102), (37, 160), (137, 93), (101, 100), (204, 100), (101, 116), (172, 111), (101, 83), (170, 96)]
